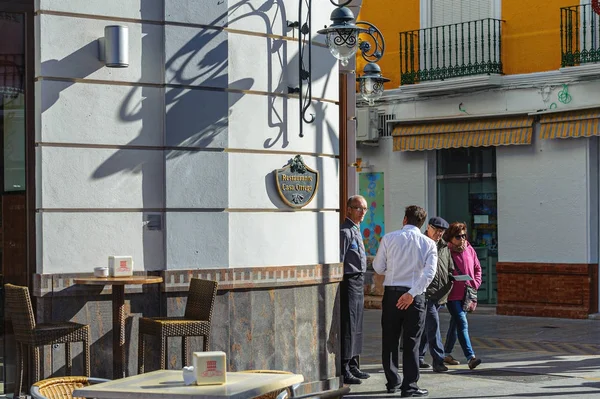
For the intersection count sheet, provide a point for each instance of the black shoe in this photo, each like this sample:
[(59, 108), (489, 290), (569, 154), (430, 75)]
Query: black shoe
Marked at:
[(359, 374), (350, 379), (419, 393), (423, 365), (394, 389), (439, 368), (474, 362)]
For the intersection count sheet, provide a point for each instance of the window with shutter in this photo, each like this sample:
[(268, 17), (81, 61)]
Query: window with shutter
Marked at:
[(457, 38), (446, 12), (462, 33)]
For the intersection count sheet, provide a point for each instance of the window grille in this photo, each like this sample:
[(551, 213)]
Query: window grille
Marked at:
[(382, 126)]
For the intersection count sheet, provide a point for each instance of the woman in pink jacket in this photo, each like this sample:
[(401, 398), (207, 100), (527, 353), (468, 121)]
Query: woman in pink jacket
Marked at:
[(465, 262)]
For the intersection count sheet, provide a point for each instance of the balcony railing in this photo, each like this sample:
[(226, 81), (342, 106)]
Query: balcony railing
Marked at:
[(579, 35), (450, 51)]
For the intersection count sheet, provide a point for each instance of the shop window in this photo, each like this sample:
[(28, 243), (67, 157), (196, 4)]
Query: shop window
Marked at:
[(467, 193), (466, 161), (12, 100)]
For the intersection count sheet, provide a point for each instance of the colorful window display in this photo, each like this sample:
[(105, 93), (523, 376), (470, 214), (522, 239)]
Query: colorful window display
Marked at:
[(371, 186)]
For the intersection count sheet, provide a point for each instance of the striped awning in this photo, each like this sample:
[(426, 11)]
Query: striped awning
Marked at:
[(514, 130), (562, 125)]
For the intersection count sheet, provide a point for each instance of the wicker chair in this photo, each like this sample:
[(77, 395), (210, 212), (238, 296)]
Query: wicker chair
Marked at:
[(61, 387), (195, 323), (273, 394), (28, 334)]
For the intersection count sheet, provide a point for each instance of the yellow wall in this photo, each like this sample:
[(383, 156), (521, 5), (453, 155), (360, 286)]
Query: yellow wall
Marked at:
[(391, 17), (531, 35)]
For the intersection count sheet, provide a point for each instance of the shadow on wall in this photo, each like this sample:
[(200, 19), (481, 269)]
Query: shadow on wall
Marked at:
[(290, 78), (79, 65), (198, 118), (203, 60), (209, 108)]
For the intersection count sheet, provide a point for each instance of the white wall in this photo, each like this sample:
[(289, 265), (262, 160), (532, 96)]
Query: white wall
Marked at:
[(530, 96), (405, 178), (543, 203), (547, 192), (100, 164), (192, 130), (547, 196)]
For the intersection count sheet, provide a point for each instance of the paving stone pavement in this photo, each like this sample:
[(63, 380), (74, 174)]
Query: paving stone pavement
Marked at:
[(522, 357)]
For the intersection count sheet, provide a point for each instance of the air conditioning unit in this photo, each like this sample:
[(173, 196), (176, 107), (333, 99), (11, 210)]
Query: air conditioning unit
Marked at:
[(367, 124)]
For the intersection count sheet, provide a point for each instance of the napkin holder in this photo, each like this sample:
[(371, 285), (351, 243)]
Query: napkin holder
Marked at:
[(120, 266), (210, 367), (189, 375)]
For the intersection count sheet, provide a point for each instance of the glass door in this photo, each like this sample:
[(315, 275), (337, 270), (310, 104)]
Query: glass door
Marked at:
[(12, 103), (466, 187), (15, 19)]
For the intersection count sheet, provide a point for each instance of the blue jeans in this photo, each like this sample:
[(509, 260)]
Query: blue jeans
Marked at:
[(459, 327), (450, 336), (431, 336)]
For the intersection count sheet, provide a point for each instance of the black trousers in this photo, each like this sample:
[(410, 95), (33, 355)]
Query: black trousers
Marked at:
[(410, 323), (352, 300)]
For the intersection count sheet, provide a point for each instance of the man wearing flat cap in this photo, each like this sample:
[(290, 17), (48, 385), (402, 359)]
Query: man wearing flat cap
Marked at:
[(436, 295)]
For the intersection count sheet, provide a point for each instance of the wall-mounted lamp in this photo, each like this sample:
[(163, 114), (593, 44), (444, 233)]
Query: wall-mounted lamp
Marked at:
[(371, 83), (343, 37), (113, 48), (359, 165)]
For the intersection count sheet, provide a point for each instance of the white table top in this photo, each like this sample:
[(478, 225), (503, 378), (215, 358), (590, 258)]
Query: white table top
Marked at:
[(169, 384)]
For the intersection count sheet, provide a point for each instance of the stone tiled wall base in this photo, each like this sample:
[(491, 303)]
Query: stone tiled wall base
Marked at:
[(91, 305), (282, 318), (547, 290), (294, 329), (373, 290)]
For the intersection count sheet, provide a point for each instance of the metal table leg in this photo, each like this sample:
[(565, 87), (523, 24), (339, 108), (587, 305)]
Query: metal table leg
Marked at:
[(118, 313)]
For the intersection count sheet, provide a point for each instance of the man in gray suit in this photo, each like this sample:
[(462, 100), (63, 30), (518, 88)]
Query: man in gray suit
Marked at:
[(352, 297)]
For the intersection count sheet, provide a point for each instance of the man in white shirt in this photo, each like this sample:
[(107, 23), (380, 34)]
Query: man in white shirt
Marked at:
[(408, 259)]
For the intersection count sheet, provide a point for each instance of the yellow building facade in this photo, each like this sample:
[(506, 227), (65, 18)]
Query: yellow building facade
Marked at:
[(530, 33)]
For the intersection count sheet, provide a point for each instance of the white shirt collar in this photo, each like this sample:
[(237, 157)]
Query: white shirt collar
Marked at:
[(411, 227)]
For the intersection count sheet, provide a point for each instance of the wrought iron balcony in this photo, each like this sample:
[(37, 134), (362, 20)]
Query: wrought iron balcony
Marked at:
[(450, 51), (579, 35)]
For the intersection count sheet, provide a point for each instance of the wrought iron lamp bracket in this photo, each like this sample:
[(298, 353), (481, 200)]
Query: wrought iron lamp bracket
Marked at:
[(371, 45), (292, 24), (373, 48)]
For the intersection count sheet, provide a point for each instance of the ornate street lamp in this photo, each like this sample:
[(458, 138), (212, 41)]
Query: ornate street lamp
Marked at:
[(371, 83), (344, 38)]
